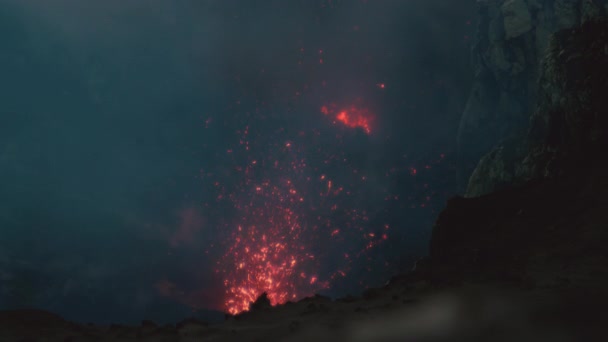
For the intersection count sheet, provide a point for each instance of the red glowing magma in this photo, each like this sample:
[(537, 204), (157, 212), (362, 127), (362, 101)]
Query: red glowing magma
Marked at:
[(352, 117), (287, 211), (267, 254), (282, 220), (291, 215)]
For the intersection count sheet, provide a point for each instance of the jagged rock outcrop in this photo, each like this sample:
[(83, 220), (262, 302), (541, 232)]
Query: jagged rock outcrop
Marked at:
[(497, 169), (548, 233), (517, 18), (542, 219), (262, 303), (405, 309), (569, 126), (571, 116), (512, 38)]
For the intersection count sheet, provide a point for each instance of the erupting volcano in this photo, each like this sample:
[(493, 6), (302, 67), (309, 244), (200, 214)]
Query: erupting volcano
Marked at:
[(304, 213), (269, 253), (298, 227)]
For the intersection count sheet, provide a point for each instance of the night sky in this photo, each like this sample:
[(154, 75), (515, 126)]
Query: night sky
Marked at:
[(159, 157)]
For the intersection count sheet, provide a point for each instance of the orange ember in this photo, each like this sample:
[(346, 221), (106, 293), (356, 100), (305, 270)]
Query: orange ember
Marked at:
[(285, 209), (352, 118), (325, 110), (266, 254)]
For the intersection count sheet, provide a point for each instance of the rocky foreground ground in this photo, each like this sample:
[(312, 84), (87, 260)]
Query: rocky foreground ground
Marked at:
[(404, 310)]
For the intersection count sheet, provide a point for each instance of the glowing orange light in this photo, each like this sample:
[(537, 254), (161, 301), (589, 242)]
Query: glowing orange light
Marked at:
[(325, 110), (266, 254), (269, 245), (353, 117)]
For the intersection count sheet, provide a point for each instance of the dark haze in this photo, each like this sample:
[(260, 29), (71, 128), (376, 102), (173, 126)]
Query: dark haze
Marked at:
[(111, 110)]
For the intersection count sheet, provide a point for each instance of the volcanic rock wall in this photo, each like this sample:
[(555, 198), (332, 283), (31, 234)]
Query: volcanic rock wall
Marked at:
[(568, 128), (512, 38), (542, 217)]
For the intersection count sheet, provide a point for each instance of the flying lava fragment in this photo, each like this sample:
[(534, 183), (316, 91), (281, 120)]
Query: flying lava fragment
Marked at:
[(267, 251), (293, 229), (352, 117)]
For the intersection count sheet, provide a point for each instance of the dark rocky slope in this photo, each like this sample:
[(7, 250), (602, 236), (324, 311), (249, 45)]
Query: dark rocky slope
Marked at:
[(547, 233), (537, 207), (511, 40), (569, 128)]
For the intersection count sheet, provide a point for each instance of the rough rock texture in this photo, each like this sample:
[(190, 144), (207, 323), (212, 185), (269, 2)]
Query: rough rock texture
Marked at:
[(406, 309), (541, 221), (569, 126), (571, 116), (517, 18), (512, 38), (544, 233), (498, 168)]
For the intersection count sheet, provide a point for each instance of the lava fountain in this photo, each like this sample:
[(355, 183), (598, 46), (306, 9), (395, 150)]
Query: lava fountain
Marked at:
[(298, 228), (352, 117), (268, 253)]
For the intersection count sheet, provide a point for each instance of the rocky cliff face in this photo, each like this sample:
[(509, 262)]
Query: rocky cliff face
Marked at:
[(568, 127), (548, 233), (512, 38), (542, 217)]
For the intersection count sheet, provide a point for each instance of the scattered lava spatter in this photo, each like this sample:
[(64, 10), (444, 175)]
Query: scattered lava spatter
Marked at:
[(303, 210), (268, 253), (352, 117), (297, 229)]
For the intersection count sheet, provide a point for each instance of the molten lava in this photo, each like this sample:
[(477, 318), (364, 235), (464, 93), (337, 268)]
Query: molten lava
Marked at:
[(268, 253), (353, 117), (295, 228)]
